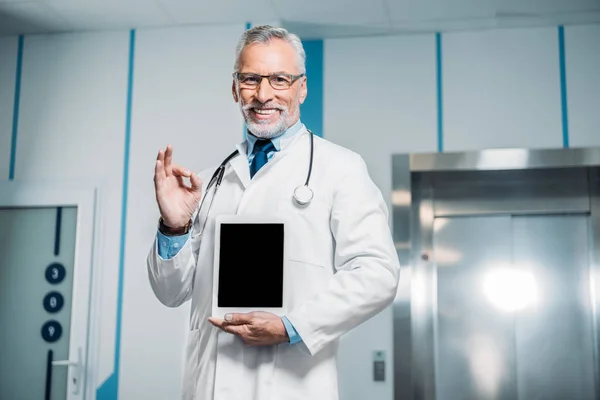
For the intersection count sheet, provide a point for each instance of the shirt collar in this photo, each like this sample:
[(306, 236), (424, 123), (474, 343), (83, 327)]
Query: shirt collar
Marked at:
[(290, 132)]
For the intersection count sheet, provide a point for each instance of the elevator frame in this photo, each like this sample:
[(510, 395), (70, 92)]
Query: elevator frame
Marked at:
[(414, 308)]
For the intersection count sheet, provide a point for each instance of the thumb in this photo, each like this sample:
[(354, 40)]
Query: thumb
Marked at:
[(196, 183), (238, 319)]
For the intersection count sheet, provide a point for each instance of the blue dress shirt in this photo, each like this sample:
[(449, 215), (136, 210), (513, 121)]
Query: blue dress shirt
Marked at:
[(168, 246)]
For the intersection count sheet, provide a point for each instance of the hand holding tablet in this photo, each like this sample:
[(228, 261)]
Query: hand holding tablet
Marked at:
[(249, 267), (255, 328)]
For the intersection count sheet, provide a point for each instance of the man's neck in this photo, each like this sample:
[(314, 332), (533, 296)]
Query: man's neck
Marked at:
[(289, 132)]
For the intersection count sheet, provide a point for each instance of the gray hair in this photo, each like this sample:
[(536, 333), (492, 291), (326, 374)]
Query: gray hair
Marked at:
[(264, 34)]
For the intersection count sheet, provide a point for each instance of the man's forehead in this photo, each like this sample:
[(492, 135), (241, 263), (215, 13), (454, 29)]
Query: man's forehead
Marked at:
[(273, 57)]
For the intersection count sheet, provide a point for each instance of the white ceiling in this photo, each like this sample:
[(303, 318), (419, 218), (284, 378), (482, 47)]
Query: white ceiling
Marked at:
[(309, 18)]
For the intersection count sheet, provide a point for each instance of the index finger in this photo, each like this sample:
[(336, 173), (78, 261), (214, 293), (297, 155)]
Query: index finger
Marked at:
[(168, 158), (159, 171), (159, 167), (219, 323)]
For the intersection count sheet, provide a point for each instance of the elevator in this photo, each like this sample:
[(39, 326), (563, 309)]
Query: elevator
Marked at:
[(499, 295)]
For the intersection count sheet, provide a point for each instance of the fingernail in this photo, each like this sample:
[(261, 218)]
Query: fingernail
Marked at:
[(228, 317), (187, 173)]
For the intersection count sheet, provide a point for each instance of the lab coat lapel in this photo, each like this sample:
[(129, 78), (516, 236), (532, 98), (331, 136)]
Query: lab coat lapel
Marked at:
[(240, 165), (289, 147)]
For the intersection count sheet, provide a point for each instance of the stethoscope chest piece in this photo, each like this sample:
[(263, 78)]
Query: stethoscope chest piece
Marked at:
[(303, 195)]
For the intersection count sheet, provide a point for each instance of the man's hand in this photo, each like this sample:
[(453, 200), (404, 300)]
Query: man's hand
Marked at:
[(177, 201), (255, 328)]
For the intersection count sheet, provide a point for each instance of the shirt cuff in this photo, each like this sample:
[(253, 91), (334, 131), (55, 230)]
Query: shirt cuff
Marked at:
[(169, 246), (292, 334)]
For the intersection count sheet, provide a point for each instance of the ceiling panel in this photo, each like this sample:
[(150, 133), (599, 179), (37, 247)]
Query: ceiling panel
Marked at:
[(15, 1), (309, 31), (30, 17), (335, 12), (110, 14), (311, 18), (443, 25), (432, 10), (205, 11), (543, 7), (570, 18)]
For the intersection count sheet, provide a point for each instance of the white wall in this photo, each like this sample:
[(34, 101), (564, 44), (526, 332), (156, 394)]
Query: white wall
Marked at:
[(8, 68), (181, 96), (500, 88), (582, 60), (388, 87), (72, 126), (72, 109)]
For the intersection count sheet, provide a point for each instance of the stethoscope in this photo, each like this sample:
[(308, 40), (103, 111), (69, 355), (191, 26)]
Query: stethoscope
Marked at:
[(303, 194)]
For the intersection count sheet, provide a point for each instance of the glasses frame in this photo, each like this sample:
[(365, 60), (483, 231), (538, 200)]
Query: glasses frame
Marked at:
[(294, 78)]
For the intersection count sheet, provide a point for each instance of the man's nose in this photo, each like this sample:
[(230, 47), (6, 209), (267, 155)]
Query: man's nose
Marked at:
[(264, 92)]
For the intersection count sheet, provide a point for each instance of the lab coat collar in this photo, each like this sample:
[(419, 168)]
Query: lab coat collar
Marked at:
[(240, 164), (278, 141)]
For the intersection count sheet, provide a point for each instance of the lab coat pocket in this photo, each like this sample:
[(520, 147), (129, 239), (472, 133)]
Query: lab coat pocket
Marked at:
[(192, 360), (310, 240), (304, 281), (302, 376)]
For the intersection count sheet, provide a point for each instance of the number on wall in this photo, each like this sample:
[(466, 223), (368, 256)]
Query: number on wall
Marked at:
[(51, 331), (53, 302), (55, 273)]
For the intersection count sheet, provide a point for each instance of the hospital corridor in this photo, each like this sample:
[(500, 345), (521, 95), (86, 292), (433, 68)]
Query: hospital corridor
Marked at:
[(299, 200)]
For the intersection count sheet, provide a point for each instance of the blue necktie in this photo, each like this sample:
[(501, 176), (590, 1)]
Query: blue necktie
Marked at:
[(262, 147)]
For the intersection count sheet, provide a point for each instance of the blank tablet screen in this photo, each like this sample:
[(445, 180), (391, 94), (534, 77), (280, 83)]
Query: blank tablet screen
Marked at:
[(251, 265)]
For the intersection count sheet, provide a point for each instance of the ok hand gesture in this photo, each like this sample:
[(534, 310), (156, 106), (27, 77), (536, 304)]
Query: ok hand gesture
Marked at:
[(176, 200)]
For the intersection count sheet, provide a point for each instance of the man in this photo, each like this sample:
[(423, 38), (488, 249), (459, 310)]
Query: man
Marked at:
[(343, 263)]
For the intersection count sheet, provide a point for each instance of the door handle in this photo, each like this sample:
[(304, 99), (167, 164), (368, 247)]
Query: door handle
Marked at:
[(77, 370)]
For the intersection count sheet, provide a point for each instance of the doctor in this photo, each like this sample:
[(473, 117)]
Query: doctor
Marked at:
[(343, 262)]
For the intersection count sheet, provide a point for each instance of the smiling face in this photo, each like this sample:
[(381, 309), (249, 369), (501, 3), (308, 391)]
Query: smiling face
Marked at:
[(268, 112)]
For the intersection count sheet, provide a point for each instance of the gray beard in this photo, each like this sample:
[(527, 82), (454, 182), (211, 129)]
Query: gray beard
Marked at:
[(264, 130)]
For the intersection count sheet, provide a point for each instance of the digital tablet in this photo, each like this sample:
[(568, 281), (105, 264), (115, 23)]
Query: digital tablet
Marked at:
[(249, 265)]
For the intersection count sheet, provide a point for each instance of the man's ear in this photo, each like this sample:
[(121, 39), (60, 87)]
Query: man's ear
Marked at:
[(303, 90), (236, 98)]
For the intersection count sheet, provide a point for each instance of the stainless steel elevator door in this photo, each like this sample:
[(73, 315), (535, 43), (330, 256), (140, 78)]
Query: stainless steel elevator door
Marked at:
[(514, 317)]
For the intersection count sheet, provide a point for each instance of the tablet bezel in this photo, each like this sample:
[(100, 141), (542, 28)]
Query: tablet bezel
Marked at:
[(219, 312)]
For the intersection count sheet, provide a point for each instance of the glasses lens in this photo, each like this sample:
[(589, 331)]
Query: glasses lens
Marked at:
[(251, 81), (280, 81), (248, 80)]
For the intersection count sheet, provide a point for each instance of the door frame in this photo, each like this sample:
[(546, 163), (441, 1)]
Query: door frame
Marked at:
[(21, 194), (413, 216)]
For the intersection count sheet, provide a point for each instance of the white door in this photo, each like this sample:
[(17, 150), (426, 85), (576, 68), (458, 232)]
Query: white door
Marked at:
[(45, 270)]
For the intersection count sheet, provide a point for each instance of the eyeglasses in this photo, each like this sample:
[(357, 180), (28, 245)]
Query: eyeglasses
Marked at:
[(277, 81)]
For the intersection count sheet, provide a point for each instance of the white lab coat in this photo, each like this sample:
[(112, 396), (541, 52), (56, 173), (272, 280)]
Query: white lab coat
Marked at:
[(343, 269)]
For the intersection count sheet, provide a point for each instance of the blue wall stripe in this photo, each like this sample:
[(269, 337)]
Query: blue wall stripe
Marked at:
[(110, 388), (245, 131), (16, 104), (563, 85), (312, 109), (440, 108)]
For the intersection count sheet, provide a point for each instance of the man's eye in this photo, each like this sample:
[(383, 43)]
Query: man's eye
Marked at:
[(250, 79)]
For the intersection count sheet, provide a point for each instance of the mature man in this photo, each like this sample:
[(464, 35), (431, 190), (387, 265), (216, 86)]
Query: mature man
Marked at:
[(342, 261)]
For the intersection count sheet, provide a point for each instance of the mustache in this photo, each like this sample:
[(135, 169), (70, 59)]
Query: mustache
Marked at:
[(260, 106)]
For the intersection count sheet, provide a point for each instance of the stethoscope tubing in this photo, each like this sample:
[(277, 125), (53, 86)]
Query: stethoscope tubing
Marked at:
[(217, 178)]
